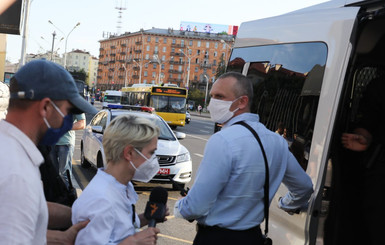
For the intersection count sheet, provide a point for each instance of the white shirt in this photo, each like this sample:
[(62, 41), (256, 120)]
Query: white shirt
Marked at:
[(23, 208), (108, 205)]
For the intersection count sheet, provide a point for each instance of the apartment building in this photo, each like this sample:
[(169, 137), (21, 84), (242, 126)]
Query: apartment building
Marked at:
[(160, 56), (77, 60)]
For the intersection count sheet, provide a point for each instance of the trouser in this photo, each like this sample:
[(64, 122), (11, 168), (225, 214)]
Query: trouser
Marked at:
[(61, 156), (211, 235)]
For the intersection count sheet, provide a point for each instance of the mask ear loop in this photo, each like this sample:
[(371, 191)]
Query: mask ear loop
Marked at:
[(57, 109)]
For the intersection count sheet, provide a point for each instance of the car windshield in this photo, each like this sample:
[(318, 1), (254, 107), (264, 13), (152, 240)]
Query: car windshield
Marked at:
[(165, 132), (112, 98)]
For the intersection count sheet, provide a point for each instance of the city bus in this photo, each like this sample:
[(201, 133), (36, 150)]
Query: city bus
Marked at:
[(111, 97), (169, 102)]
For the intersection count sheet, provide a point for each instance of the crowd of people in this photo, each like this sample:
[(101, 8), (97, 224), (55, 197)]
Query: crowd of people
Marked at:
[(44, 105)]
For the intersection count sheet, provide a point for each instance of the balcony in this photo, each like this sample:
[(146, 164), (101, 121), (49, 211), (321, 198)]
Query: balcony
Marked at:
[(101, 49), (113, 47), (136, 68), (135, 76), (113, 54), (175, 71), (138, 51), (176, 62), (123, 45), (122, 53), (138, 43), (176, 45), (175, 80), (205, 66)]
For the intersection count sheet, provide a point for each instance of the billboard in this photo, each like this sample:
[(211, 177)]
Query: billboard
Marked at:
[(208, 28), (10, 11)]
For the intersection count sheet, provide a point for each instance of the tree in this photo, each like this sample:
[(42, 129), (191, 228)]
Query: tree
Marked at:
[(197, 96), (221, 67)]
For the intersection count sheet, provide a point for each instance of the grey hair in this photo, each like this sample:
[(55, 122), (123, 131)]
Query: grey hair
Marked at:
[(127, 130), (243, 86)]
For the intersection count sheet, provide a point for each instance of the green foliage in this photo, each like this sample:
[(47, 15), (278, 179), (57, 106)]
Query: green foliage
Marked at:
[(221, 67), (197, 96)]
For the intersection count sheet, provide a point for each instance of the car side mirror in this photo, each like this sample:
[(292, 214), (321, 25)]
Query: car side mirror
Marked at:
[(97, 129), (180, 135)]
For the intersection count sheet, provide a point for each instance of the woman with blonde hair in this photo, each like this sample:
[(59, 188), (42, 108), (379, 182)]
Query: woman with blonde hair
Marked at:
[(108, 201)]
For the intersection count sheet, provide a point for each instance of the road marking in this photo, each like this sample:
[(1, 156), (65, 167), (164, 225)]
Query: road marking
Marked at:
[(197, 154), (205, 131), (174, 238), (193, 136)]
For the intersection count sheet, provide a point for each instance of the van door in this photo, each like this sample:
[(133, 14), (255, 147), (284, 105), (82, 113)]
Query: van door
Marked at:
[(297, 63)]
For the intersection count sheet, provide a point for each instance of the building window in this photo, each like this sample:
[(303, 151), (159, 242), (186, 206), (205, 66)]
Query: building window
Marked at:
[(164, 49), (148, 39), (198, 43), (163, 58), (148, 48), (154, 65), (145, 73), (173, 41), (190, 43), (157, 39), (147, 57), (182, 43), (164, 40), (216, 45), (215, 54), (207, 44), (153, 74), (196, 69), (198, 52)]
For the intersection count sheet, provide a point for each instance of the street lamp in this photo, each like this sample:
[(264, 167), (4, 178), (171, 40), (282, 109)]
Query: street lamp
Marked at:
[(53, 42), (189, 57), (125, 76), (207, 85), (65, 48), (140, 69), (156, 57)]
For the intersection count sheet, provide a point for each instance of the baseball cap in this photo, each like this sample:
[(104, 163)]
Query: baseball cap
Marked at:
[(39, 79)]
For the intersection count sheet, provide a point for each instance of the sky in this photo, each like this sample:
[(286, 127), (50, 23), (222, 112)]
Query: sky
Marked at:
[(98, 16)]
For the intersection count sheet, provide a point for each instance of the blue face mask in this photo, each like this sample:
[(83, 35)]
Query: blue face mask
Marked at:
[(53, 135)]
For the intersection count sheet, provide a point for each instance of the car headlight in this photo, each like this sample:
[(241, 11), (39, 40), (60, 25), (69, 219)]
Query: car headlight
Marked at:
[(183, 157)]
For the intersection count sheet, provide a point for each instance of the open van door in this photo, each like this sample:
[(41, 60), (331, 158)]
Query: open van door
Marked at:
[(304, 67)]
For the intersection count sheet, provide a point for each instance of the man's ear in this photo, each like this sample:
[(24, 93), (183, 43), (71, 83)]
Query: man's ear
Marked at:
[(244, 101), (43, 107), (127, 152)]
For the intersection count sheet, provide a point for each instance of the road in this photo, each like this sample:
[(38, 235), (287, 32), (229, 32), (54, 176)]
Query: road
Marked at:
[(174, 231)]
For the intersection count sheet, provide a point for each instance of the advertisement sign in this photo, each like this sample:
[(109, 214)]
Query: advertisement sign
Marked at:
[(208, 28)]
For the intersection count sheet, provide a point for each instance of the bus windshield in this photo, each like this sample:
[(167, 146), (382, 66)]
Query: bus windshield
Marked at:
[(163, 103), (112, 98)]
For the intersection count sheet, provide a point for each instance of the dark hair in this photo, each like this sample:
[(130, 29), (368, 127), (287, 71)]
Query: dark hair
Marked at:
[(14, 102), (243, 86)]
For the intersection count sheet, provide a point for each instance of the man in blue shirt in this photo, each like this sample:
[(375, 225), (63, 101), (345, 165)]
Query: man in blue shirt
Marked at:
[(227, 196)]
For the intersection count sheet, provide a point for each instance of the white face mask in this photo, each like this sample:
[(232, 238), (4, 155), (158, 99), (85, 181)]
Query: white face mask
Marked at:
[(220, 110), (148, 169)]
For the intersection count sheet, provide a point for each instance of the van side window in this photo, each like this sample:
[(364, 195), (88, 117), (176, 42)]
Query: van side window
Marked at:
[(287, 82)]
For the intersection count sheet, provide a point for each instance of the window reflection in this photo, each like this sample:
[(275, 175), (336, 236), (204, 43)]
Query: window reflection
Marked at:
[(287, 83)]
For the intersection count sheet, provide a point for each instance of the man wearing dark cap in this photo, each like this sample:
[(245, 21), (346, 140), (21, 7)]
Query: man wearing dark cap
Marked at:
[(43, 97)]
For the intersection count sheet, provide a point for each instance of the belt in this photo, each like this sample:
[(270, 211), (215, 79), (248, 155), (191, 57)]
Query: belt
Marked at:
[(217, 228)]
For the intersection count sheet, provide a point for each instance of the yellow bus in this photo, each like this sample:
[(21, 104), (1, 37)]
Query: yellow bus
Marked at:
[(168, 102)]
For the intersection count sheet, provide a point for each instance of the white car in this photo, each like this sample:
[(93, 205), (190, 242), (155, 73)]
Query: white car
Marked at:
[(174, 159)]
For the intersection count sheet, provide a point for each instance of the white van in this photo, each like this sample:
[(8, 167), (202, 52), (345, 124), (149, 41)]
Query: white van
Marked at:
[(309, 69), (112, 98)]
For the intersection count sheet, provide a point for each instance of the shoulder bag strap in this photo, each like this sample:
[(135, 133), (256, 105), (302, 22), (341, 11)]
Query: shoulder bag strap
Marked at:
[(266, 187)]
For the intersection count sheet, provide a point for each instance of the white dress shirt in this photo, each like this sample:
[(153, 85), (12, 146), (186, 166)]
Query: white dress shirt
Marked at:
[(23, 208), (228, 189), (108, 205)]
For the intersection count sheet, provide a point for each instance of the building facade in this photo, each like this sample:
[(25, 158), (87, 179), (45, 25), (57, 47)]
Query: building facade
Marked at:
[(160, 56), (78, 60)]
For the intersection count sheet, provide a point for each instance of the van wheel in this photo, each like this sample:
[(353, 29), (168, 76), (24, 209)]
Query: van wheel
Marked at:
[(83, 161), (99, 161), (178, 186)]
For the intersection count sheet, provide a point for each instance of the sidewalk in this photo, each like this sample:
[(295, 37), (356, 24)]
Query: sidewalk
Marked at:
[(203, 114)]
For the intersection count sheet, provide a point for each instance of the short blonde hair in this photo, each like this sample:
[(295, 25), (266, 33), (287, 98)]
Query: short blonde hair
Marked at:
[(127, 130)]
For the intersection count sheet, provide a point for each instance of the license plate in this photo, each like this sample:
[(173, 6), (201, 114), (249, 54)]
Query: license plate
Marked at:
[(164, 171)]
